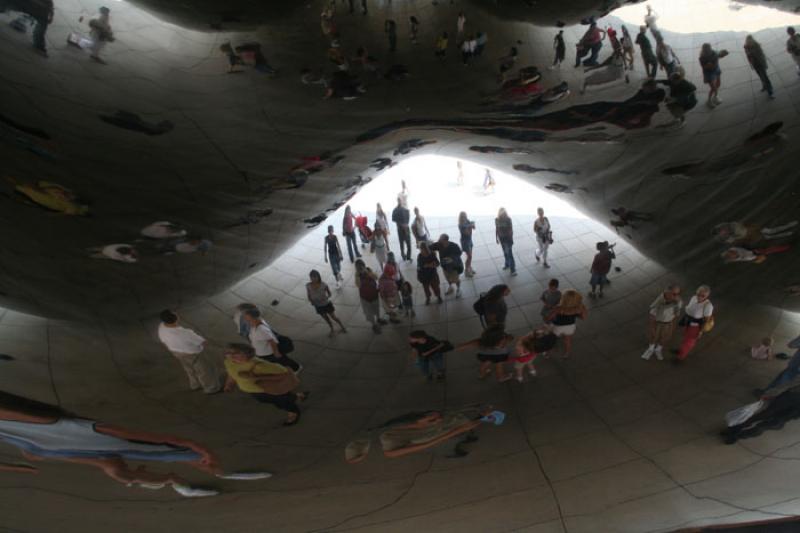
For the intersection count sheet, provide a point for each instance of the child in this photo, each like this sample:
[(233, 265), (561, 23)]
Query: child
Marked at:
[(763, 351), (387, 288), (426, 350), (524, 356), (550, 299), (407, 296), (537, 342)]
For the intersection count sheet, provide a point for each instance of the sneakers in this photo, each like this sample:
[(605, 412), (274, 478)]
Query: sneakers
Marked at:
[(245, 476), (546, 265), (191, 492), (648, 353), (449, 290), (658, 354), (513, 272), (458, 292)]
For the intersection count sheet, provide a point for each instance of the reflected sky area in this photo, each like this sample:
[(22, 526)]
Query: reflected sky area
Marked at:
[(691, 16)]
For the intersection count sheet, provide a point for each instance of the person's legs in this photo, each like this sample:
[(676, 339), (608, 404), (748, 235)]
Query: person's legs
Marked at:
[(485, 369), (39, 32), (778, 231), (327, 321), (766, 83), (595, 52), (427, 288), (187, 362), (468, 264), (435, 288), (438, 362), (351, 244), (336, 319), (207, 374), (690, 336), (567, 346), (500, 372)]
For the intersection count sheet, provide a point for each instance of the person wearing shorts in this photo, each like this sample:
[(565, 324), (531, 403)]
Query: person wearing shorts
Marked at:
[(319, 294), (494, 348), (565, 316), (664, 313), (450, 260)]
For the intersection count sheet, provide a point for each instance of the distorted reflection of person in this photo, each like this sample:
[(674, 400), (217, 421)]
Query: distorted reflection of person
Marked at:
[(163, 230), (419, 431), (737, 254), (51, 196), (779, 402), (44, 432), (123, 253), (734, 233), (101, 33)]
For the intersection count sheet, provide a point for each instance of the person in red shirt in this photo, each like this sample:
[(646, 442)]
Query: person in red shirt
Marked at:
[(601, 266)]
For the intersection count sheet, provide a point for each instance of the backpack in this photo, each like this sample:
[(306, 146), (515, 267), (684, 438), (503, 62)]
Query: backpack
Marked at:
[(479, 305), (285, 344)]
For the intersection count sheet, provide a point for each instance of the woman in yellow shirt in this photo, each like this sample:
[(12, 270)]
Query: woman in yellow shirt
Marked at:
[(266, 382)]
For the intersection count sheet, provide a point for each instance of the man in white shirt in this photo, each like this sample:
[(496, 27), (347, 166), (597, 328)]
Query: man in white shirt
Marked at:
[(187, 347), (265, 342), (664, 313)]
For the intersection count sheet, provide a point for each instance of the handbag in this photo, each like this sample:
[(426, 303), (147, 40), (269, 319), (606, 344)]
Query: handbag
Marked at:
[(285, 344), (708, 324)]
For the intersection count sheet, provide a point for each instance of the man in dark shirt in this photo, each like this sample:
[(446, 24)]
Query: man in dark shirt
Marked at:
[(41, 11), (401, 216), (450, 259), (648, 56), (601, 266)]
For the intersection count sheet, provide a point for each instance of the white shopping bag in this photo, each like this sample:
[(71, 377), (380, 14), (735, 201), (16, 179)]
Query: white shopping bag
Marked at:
[(743, 414)]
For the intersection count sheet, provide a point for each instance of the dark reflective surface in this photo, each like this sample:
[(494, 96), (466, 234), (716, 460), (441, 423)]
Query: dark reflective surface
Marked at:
[(163, 155)]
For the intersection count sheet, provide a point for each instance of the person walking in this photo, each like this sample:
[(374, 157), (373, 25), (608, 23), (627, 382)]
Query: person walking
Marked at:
[(42, 12), (592, 41), (793, 46), (664, 313), (465, 229), (389, 294), (319, 294), (459, 173), (413, 23), (461, 22), (544, 236), (427, 273), (332, 252), (560, 50), (187, 347), (648, 56), (363, 7), (712, 75), (427, 352), (242, 325), (698, 318), (628, 50), (381, 221), (349, 232), (101, 33), (504, 235), (265, 342), (601, 266), (407, 299), (390, 28), (488, 182), (367, 283), (441, 46), (758, 62), (450, 260), (379, 245), (550, 299), (420, 228), (494, 347), (264, 381), (565, 316), (665, 55), (401, 216)]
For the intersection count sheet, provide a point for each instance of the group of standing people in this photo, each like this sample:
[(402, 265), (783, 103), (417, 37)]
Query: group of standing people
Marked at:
[(260, 368)]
